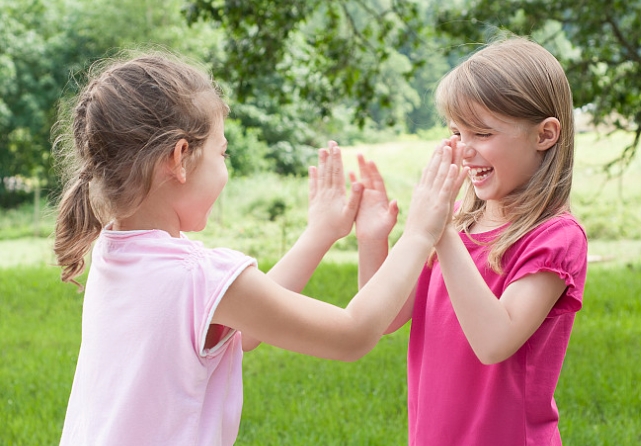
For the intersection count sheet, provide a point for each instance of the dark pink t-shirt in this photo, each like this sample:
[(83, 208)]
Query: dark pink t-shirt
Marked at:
[(453, 399)]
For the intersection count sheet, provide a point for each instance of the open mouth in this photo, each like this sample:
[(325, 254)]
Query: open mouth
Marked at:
[(480, 173)]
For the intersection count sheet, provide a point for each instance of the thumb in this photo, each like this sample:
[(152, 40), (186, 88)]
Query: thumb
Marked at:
[(355, 198), (393, 209)]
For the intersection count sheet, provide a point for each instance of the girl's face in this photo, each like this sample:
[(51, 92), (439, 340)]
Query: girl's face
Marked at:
[(502, 157), (205, 180)]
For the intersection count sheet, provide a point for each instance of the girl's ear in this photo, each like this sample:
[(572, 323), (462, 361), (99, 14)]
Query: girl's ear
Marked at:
[(177, 161), (549, 131)]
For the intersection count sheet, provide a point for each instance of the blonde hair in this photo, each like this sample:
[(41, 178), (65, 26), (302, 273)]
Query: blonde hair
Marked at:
[(119, 128), (514, 78)]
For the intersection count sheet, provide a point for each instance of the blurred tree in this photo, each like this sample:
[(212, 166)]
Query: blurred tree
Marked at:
[(313, 50), (599, 44), (29, 81), (291, 64), (42, 43)]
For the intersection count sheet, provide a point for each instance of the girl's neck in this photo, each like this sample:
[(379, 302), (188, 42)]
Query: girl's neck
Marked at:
[(147, 218), (491, 218)]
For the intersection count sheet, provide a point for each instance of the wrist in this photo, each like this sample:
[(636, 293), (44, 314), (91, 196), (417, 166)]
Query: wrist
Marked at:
[(449, 233), (420, 240), (323, 239), (372, 243)]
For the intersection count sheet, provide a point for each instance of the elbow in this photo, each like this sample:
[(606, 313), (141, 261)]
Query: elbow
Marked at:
[(491, 356), (249, 343), (356, 348), (489, 360)]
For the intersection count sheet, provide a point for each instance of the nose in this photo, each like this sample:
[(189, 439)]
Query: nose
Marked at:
[(468, 151)]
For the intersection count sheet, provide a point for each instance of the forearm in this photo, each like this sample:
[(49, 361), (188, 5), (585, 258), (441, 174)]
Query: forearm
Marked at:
[(296, 267), (380, 300), (485, 322), (371, 255)]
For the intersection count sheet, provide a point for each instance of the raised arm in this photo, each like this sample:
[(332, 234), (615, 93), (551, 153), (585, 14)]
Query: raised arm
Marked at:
[(258, 306), (330, 217), (375, 220)]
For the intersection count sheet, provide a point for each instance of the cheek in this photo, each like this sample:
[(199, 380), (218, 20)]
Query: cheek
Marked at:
[(224, 177)]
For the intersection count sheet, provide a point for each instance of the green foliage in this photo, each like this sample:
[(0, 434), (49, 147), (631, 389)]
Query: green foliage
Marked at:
[(41, 43), (19, 222), (598, 42), (299, 73), (312, 50), (247, 152), (610, 209), (294, 68)]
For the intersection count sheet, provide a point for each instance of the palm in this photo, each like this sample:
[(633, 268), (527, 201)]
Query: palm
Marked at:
[(374, 220), (330, 209), (376, 215)]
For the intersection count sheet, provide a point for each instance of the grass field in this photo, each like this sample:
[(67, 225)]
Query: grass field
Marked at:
[(295, 400)]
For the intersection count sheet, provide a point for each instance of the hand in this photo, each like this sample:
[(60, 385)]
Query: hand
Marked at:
[(433, 199), (458, 149), (376, 214), (331, 215)]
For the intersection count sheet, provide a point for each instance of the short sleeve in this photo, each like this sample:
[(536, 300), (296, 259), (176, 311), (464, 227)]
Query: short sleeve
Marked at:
[(558, 246), (214, 272)]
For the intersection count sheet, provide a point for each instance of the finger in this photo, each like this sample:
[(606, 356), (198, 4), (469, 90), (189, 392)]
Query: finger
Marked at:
[(429, 171), (377, 179), (458, 182), (338, 175), (444, 170), (454, 181), (446, 188), (328, 174), (313, 182), (458, 151), (354, 200), (363, 168), (392, 208), (322, 166)]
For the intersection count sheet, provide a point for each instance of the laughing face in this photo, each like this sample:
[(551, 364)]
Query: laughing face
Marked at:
[(502, 156)]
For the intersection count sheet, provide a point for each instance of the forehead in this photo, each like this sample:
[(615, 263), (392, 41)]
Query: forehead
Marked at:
[(475, 117)]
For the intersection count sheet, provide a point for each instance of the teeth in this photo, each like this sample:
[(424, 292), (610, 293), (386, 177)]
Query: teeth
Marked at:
[(480, 173)]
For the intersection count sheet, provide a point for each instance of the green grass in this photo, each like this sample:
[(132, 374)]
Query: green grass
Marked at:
[(40, 333), (599, 392), (296, 400)]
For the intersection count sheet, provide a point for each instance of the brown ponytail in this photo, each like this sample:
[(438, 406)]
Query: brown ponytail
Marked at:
[(76, 228)]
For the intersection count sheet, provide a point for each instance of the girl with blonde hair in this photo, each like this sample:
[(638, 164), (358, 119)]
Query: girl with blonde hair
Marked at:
[(493, 309)]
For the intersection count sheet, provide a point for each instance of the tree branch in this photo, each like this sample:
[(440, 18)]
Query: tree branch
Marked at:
[(631, 50)]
